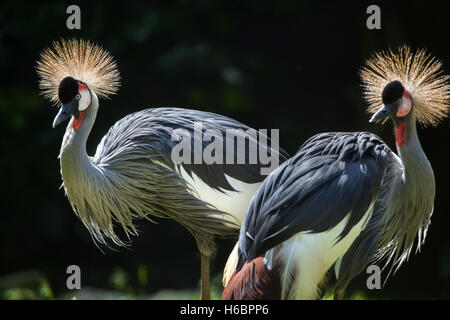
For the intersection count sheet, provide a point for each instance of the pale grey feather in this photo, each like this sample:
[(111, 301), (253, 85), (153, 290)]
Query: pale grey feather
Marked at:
[(132, 176), (401, 215)]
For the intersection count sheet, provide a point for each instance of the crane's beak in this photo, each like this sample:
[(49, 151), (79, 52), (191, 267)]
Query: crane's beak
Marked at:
[(66, 111), (385, 111)]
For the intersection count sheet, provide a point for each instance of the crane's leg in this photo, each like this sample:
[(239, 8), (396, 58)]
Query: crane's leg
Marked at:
[(339, 293), (205, 291), (206, 246)]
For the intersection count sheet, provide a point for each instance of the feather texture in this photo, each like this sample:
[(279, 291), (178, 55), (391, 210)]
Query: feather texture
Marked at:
[(307, 213), (254, 282), (81, 60), (420, 74)]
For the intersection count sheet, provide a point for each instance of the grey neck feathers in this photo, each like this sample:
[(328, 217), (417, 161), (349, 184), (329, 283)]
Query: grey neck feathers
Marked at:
[(81, 176), (73, 148), (410, 203), (418, 180), (103, 193)]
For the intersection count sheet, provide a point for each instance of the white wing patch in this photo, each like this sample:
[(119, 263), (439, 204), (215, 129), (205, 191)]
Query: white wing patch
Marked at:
[(308, 256), (232, 202)]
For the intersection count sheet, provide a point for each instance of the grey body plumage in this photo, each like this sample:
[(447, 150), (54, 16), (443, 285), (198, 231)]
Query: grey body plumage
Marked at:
[(402, 213), (132, 174), (332, 175), (304, 215)]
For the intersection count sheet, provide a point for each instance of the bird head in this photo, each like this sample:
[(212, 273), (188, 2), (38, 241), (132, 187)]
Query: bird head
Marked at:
[(73, 73), (396, 100), (405, 84), (75, 97)]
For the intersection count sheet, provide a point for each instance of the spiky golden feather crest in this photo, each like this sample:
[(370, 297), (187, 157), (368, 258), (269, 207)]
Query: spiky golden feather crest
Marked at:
[(81, 60), (420, 74)]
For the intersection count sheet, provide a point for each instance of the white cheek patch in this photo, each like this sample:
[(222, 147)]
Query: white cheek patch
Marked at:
[(85, 100), (404, 108)]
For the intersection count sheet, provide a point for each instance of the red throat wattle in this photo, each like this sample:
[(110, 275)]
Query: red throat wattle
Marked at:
[(400, 134), (76, 123)]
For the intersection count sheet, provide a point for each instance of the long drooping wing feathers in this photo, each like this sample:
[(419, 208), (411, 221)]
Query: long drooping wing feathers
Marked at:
[(81, 60), (370, 247), (154, 128), (419, 72), (331, 176), (133, 163)]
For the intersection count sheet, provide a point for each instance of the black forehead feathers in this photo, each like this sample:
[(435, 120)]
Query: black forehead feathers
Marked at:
[(68, 88), (392, 92)]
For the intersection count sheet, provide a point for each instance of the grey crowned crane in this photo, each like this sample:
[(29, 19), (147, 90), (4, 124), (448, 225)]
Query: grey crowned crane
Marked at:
[(133, 173), (345, 200)]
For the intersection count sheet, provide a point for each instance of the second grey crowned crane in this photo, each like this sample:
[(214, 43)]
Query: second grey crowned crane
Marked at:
[(345, 199), (132, 174)]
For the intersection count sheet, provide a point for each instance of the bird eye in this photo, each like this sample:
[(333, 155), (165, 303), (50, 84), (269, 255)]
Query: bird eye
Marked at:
[(78, 96)]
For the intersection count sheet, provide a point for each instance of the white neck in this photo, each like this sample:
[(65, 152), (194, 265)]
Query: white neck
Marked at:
[(73, 155)]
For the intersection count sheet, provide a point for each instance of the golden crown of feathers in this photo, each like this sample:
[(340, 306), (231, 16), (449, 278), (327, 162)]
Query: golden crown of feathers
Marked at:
[(81, 60), (420, 74)]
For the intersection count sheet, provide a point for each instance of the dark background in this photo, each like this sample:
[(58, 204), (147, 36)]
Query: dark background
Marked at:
[(291, 65)]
